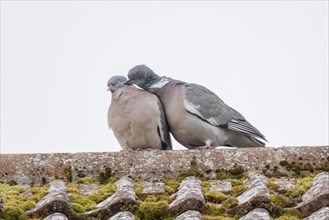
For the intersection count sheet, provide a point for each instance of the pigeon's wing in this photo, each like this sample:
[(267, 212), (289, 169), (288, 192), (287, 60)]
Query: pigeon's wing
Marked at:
[(163, 129), (206, 105)]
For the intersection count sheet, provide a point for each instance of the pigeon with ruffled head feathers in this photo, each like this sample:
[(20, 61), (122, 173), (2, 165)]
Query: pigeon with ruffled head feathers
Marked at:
[(196, 116)]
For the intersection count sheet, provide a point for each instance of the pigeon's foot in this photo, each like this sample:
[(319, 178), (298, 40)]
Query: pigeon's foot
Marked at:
[(204, 147)]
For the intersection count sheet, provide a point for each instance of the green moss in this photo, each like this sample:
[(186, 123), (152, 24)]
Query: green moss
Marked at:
[(153, 207), (237, 172), (169, 190), (213, 210), (16, 190), (287, 218), (86, 180), (104, 191), (68, 174), (236, 182), (212, 196), (305, 183), (156, 198), (290, 214), (271, 185), (294, 193), (15, 205), (221, 174), (237, 216), (150, 209), (113, 179), (297, 168), (215, 197), (302, 185), (165, 198), (230, 203), (108, 188), (105, 175), (88, 202), (73, 188), (38, 192), (171, 185), (22, 202), (151, 199), (300, 168), (207, 217), (238, 190), (78, 208), (282, 201), (13, 212), (205, 184), (138, 188), (193, 171), (79, 201)]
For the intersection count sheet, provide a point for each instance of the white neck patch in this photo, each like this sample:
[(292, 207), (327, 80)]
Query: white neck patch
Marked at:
[(160, 84), (137, 87)]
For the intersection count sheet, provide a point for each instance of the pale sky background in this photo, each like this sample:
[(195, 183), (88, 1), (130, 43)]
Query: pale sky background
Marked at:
[(266, 59)]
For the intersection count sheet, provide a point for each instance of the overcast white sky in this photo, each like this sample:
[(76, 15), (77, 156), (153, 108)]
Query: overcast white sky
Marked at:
[(266, 59)]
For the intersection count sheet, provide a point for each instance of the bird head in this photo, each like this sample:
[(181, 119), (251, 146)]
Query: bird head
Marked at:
[(142, 76), (115, 82)]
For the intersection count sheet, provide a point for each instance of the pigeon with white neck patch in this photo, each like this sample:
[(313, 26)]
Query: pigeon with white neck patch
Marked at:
[(196, 116)]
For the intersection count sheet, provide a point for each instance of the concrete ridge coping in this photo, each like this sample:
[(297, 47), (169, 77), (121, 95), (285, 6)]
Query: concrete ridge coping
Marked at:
[(41, 167)]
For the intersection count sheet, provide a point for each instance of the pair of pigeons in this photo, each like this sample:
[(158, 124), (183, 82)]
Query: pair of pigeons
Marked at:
[(196, 117)]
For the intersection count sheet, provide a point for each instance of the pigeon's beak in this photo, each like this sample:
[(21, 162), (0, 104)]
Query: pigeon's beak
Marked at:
[(109, 88), (128, 82)]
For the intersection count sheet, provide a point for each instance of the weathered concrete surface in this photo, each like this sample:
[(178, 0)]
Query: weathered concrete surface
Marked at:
[(322, 214), (187, 200), (56, 216), (150, 188), (317, 196), (123, 216), (224, 186), (257, 187), (189, 196), (285, 184), (255, 178), (34, 168), (259, 214), (39, 168), (257, 196), (88, 188), (56, 200), (190, 215), (124, 195)]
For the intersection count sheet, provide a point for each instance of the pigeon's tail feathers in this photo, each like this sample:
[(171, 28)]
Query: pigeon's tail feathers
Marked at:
[(245, 127)]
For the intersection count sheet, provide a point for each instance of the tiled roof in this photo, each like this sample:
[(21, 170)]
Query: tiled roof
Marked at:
[(281, 183)]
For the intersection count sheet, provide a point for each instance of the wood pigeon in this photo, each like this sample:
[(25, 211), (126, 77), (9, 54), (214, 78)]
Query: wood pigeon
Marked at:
[(196, 116), (137, 117)]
